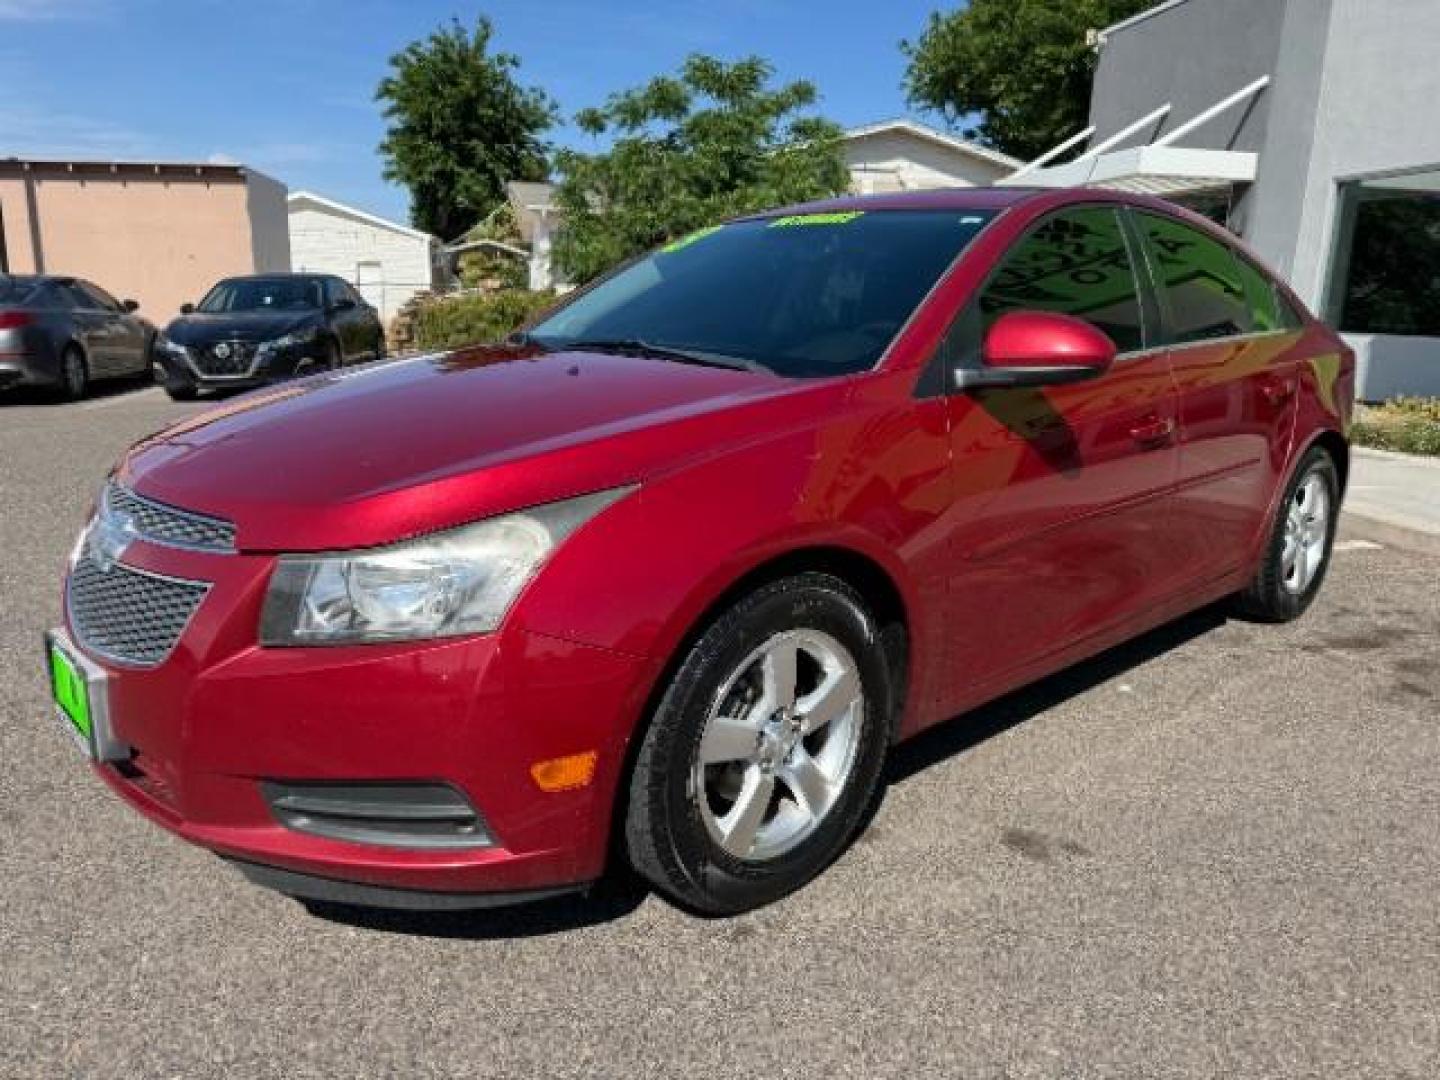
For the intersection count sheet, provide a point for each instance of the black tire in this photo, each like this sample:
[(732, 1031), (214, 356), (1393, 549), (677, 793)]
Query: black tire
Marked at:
[(334, 356), (1269, 597), (380, 345), (666, 838), (74, 374), (182, 393)]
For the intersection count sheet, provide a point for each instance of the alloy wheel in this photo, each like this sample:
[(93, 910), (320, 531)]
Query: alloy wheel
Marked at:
[(1307, 533), (779, 745)]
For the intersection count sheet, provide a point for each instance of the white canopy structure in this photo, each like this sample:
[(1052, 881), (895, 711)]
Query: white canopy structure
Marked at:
[(1156, 168)]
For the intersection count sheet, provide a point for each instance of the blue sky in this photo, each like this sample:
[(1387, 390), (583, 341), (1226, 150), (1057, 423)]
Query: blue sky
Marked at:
[(286, 85)]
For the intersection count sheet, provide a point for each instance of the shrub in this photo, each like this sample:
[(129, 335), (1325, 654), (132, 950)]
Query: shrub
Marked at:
[(478, 318), (1409, 425)]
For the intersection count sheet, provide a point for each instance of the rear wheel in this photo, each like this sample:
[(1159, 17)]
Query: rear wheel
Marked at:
[(334, 358), (765, 751), (74, 374), (1298, 554)]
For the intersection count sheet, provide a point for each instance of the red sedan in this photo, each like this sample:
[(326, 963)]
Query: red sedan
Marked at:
[(664, 578)]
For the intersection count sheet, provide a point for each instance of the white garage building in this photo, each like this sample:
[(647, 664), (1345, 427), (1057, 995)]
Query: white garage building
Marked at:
[(387, 262), (905, 155)]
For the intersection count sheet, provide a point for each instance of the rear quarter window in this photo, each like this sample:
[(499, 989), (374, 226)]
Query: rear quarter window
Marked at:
[(1260, 295)]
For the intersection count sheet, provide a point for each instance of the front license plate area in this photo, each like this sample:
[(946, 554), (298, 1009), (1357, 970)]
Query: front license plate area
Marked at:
[(80, 690), (72, 696)]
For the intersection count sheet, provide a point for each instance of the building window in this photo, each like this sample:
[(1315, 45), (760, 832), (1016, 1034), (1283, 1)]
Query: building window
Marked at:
[(1393, 281)]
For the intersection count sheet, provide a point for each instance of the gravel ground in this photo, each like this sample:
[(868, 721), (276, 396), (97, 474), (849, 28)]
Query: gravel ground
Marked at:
[(1213, 852)]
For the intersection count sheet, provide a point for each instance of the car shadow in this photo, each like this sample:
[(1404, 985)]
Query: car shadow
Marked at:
[(609, 899), (97, 391), (620, 893), (963, 733)]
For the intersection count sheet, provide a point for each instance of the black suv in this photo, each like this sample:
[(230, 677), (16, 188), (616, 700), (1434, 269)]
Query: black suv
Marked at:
[(253, 330)]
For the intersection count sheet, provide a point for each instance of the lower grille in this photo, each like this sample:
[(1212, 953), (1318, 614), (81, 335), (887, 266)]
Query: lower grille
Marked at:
[(411, 815), (224, 359), (129, 615)]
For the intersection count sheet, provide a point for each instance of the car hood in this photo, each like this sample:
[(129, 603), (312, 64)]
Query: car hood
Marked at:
[(374, 454), (202, 328)]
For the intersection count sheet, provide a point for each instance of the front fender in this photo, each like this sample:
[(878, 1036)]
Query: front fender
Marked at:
[(641, 576)]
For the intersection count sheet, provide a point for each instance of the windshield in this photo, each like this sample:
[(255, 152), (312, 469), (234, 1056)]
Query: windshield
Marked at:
[(263, 294), (806, 296)]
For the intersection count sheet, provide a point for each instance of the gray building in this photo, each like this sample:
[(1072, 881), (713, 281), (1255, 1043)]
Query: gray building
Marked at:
[(1311, 128)]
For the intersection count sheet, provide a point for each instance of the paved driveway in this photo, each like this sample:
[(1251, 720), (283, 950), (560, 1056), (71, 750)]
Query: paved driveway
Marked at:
[(1215, 852)]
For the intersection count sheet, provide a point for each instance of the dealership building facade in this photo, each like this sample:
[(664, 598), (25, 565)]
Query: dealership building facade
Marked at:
[(1311, 128)]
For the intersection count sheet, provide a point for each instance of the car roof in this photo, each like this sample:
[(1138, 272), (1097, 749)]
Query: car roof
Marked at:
[(970, 198), (281, 275), (994, 199)]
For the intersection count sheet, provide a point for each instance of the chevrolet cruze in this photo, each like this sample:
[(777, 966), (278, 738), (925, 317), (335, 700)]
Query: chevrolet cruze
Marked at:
[(663, 578)]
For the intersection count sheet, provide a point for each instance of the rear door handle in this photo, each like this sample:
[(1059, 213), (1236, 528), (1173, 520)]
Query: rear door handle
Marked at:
[(1153, 431)]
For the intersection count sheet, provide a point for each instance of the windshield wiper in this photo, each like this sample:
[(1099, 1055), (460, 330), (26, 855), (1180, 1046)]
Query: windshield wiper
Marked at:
[(666, 352)]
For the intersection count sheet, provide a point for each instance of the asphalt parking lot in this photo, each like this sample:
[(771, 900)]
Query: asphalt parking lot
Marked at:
[(1213, 852)]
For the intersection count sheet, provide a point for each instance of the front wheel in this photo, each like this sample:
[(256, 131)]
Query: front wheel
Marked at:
[(765, 750), (1298, 553)]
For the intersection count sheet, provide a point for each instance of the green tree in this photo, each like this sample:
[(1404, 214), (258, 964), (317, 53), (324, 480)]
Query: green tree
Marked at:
[(1016, 74), (460, 127), (690, 150)]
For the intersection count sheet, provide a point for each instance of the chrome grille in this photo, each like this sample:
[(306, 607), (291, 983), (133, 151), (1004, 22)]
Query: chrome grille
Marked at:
[(161, 524), (224, 359), (128, 615)]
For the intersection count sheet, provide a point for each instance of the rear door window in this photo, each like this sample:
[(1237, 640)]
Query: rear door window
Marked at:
[(1075, 263), (1200, 282)]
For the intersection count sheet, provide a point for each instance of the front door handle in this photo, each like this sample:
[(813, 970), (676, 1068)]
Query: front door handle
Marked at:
[(1153, 431)]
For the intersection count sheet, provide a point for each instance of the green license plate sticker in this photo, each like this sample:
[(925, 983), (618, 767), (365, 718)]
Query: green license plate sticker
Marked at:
[(71, 693), (792, 221)]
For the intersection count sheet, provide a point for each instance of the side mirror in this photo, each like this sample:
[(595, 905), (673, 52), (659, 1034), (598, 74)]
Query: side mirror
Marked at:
[(187, 309), (1039, 348), (130, 305), (345, 304)]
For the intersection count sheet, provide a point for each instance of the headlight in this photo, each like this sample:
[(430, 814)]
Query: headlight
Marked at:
[(457, 582), (170, 348), (290, 341)]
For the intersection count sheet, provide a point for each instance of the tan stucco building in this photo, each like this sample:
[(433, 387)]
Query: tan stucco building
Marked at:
[(160, 233)]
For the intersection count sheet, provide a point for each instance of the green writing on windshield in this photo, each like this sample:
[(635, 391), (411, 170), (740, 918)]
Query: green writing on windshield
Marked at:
[(793, 220), (686, 241)]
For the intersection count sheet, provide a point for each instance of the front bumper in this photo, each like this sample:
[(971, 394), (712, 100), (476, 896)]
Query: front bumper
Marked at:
[(174, 370), (221, 718)]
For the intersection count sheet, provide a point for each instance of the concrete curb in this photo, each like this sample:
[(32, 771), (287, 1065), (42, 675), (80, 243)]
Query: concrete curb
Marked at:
[(1363, 525), (1423, 460)]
